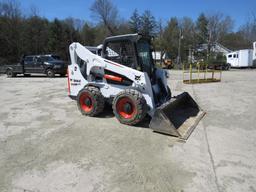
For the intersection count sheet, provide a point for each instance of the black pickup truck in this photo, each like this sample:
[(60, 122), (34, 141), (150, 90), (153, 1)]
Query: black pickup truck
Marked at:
[(40, 64)]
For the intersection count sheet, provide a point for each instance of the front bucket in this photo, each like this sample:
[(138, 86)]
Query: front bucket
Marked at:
[(177, 117)]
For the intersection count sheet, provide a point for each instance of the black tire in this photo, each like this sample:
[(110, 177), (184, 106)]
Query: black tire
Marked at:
[(130, 107), (10, 73), (169, 67), (90, 101), (50, 73), (228, 67)]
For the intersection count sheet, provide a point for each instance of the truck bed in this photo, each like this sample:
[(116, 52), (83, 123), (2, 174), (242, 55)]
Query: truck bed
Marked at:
[(15, 67)]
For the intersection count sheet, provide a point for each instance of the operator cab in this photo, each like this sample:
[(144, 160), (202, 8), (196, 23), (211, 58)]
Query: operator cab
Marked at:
[(135, 51), (132, 50)]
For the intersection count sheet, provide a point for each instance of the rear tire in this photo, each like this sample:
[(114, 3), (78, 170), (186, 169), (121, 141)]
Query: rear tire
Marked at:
[(130, 107), (228, 67), (90, 101), (50, 73), (10, 73)]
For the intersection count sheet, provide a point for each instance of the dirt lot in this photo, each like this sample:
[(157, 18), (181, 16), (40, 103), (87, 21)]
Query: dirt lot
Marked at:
[(47, 146)]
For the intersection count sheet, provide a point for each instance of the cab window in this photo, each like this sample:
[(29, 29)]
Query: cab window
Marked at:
[(28, 59), (121, 52), (38, 60)]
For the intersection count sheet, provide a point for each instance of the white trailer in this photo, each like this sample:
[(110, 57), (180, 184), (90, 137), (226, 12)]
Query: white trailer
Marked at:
[(242, 58)]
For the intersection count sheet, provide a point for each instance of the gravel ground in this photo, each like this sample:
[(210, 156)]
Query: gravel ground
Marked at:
[(46, 145)]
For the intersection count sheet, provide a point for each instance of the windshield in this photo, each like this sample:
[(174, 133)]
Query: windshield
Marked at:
[(55, 57), (145, 56)]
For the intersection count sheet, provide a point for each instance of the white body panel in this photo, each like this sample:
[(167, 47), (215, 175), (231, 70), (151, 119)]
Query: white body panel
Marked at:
[(97, 65), (241, 58)]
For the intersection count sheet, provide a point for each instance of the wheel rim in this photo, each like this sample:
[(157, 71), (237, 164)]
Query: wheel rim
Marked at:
[(125, 108), (86, 102), (49, 73)]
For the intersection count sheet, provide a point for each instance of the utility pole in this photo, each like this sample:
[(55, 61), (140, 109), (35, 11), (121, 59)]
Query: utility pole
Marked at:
[(179, 55)]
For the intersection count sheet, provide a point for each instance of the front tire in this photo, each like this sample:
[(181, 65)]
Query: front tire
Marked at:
[(90, 101), (50, 73), (130, 107)]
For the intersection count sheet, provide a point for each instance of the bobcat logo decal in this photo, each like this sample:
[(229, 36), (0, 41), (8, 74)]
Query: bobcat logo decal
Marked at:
[(137, 78)]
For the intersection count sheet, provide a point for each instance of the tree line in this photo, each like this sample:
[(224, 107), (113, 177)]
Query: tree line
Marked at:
[(22, 34)]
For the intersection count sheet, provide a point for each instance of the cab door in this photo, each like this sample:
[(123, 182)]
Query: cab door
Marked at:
[(38, 65), (28, 64), (236, 59)]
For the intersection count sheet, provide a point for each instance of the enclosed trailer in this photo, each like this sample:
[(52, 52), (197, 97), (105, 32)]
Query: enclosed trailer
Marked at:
[(241, 58)]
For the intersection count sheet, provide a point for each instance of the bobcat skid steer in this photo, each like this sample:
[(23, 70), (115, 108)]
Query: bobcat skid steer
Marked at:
[(124, 74)]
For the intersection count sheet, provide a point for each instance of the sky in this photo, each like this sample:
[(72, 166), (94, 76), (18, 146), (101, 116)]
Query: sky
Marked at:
[(239, 10)]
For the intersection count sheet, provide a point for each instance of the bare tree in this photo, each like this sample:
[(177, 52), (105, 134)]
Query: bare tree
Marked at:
[(34, 11), (248, 30), (10, 9), (105, 12), (218, 25)]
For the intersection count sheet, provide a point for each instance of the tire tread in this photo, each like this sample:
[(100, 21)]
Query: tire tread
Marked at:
[(140, 102), (98, 97)]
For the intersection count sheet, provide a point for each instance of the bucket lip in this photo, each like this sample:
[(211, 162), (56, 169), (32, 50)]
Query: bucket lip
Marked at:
[(175, 132)]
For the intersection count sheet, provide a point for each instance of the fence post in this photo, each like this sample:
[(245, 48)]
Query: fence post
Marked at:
[(190, 71), (198, 72), (205, 72), (183, 74), (220, 74)]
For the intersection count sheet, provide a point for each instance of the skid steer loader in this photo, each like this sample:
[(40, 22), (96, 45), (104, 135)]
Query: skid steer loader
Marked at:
[(124, 74)]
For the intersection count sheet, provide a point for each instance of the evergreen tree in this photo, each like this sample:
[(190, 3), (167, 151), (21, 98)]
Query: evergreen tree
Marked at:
[(55, 32), (88, 35), (135, 22), (202, 29), (35, 38), (171, 38), (148, 23)]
